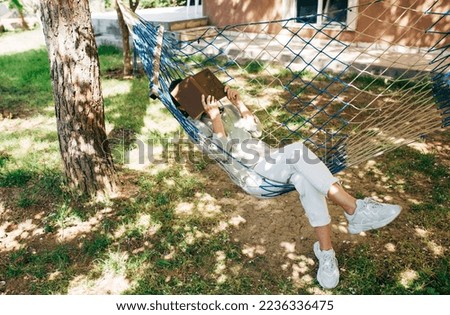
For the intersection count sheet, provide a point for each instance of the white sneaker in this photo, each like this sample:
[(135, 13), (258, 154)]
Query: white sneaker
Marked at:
[(370, 214), (328, 273)]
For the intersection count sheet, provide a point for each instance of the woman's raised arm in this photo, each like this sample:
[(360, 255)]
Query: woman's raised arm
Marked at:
[(212, 109)]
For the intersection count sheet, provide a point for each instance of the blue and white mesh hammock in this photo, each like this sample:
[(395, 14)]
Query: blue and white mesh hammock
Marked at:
[(348, 101)]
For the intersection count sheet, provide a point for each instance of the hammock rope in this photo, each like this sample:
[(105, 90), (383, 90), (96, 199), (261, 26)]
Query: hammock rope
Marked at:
[(347, 100)]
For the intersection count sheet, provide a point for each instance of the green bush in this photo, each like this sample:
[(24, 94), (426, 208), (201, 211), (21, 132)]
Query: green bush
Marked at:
[(161, 3)]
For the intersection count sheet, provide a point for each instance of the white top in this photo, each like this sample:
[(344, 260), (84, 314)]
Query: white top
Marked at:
[(240, 150)]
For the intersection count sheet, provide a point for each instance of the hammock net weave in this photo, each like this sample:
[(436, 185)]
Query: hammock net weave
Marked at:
[(348, 95)]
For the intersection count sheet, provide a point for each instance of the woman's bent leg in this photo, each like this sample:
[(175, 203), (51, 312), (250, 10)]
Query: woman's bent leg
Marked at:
[(312, 183), (311, 178), (305, 162), (296, 159), (312, 200)]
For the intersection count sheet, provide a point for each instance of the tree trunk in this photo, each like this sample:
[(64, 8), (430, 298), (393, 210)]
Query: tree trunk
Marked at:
[(23, 21), (78, 97), (19, 6), (127, 64)]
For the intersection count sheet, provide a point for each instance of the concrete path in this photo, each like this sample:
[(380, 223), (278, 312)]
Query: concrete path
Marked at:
[(11, 43)]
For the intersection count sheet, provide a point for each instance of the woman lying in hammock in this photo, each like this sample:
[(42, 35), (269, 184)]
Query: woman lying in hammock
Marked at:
[(235, 129)]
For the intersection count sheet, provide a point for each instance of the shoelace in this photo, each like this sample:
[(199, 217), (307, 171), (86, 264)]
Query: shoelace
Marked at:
[(328, 262), (371, 201)]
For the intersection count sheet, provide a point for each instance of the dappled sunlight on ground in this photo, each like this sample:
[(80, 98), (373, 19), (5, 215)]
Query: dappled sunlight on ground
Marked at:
[(390, 247), (153, 157), (436, 249), (430, 147), (207, 205), (193, 236), (49, 111), (73, 227), (43, 123), (108, 283), (252, 251), (421, 232), (157, 119), (143, 224), (112, 279), (407, 277), (143, 156), (185, 208), (264, 102), (28, 139), (299, 265), (113, 87), (289, 247), (156, 168), (224, 268), (204, 206), (273, 230), (234, 221), (318, 291), (220, 267), (14, 236), (341, 227), (3, 210)]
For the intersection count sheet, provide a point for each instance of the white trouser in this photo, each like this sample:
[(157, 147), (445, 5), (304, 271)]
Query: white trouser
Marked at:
[(296, 164)]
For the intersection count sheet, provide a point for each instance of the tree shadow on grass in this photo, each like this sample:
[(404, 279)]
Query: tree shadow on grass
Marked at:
[(126, 112), (185, 229)]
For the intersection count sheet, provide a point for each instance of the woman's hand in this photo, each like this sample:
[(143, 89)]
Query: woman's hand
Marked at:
[(235, 99), (211, 107), (233, 96)]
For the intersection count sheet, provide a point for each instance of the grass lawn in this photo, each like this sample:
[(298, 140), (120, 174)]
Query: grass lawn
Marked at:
[(182, 227)]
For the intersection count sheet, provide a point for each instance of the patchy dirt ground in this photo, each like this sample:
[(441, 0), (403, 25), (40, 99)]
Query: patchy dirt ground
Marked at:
[(279, 230), (275, 229)]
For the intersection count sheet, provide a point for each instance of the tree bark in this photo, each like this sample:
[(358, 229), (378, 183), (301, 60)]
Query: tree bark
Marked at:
[(23, 21), (19, 6), (127, 64), (78, 97)]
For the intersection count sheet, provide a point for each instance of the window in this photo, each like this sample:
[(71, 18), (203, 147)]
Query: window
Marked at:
[(306, 11), (331, 12)]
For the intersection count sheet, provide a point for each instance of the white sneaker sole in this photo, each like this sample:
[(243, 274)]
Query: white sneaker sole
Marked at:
[(358, 228)]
